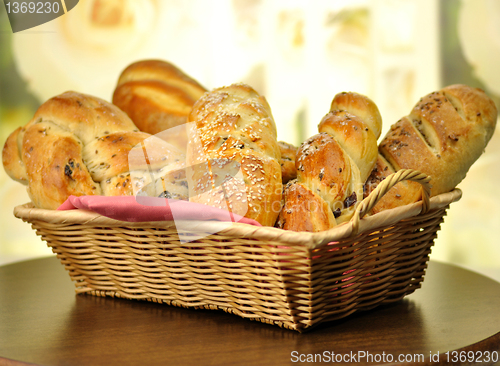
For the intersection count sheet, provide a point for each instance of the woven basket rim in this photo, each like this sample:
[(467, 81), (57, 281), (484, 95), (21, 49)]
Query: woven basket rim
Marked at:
[(29, 213)]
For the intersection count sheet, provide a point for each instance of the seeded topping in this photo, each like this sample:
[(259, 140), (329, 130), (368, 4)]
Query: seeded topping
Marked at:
[(351, 200), (68, 172), (234, 126)]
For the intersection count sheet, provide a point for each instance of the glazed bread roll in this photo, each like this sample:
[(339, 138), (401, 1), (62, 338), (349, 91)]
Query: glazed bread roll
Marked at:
[(443, 136), (324, 174), (354, 137), (156, 95), (77, 144), (355, 123), (332, 166), (360, 106), (233, 155)]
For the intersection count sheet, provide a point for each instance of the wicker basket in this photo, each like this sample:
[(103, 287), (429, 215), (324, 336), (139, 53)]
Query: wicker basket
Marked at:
[(294, 280)]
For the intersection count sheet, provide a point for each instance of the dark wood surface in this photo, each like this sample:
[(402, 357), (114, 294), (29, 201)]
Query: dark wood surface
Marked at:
[(43, 322)]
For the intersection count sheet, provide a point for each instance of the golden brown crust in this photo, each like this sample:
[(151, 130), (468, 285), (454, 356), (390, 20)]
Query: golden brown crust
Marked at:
[(233, 155), (54, 166), (156, 95), (354, 137), (288, 154), (360, 106), (304, 210), (110, 155), (401, 194), (11, 157), (445, 133), (162, 71), (332, 179), (324, 167), (86, 116), (153, 105), (334, 164), (47, 154), (77, 144)]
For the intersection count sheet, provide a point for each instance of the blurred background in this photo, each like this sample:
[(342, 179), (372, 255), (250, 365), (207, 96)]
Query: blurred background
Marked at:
[(298, 54)]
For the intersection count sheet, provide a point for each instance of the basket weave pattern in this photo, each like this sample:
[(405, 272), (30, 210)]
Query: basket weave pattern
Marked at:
[(294, 280)]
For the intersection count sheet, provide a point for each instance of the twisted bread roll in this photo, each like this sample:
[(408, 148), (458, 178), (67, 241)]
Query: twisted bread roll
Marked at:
[(362, 107), (323, 168), (443, 136), (332, 166), (233, 155), (156, 95), (77, 144)]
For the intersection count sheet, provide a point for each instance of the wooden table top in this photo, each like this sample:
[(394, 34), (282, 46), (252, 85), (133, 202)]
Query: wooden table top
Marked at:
[(43, 322)]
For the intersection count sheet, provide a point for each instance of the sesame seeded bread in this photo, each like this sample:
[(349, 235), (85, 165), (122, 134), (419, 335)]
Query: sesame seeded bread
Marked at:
[(444, 134), (233, 156)]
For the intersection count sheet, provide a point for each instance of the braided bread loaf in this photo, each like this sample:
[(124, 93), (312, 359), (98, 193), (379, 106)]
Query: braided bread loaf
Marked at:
[(233, 155), (444, 134), (77, 144), (332, 166)]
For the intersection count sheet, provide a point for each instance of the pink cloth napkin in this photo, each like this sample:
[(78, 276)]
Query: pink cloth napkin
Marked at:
[(138, 209)]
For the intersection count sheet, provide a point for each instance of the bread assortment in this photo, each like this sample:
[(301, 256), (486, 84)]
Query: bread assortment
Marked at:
[(166, 135), (332, 166), (444, 134)]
